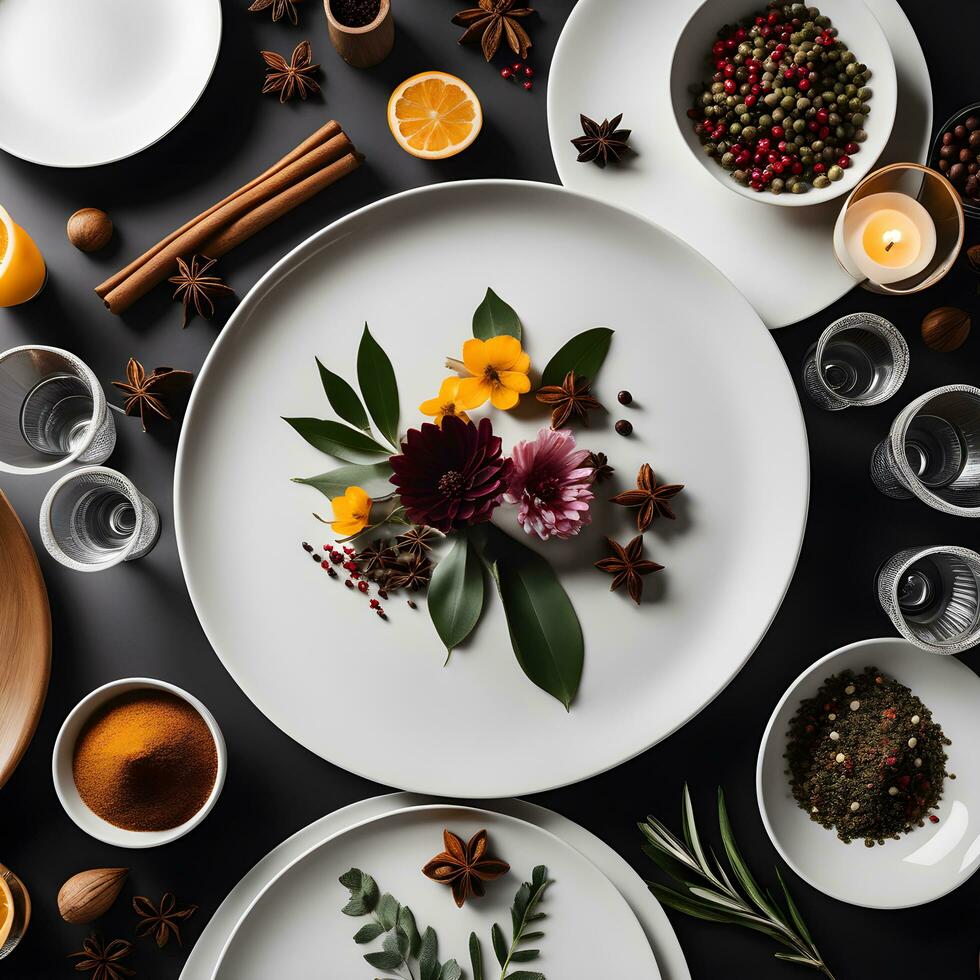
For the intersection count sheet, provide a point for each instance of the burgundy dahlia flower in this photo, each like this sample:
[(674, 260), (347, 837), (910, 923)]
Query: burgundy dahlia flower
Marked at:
[(551, 481), (452, 476)]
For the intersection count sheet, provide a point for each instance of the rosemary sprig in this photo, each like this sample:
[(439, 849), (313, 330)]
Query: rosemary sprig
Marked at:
[(707, 892)]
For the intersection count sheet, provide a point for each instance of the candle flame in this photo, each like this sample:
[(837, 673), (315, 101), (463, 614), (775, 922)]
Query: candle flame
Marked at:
[(891, 238)]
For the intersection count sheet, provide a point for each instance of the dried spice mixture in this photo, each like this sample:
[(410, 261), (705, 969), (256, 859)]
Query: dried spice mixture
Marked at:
[(866, 758)]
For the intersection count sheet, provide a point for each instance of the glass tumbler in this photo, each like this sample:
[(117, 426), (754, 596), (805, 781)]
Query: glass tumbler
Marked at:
[(15, 911), (933, 452), (932, 596), (53, 412), (859, 360), (94, 518)]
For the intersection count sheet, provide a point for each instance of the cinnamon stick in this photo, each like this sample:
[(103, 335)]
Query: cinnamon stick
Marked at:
[(319, 161)]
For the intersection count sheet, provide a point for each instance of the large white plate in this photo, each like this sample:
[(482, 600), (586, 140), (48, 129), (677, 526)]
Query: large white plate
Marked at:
[(614, 56), (203, 957), (86, 83), (297, 919), (925, 864), (716, 409)]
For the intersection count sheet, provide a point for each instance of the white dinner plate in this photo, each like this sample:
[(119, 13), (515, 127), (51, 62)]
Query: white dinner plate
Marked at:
[(203, 958), (86, 82), (297, 920), (715, 409), (930, 861), (615, 56)]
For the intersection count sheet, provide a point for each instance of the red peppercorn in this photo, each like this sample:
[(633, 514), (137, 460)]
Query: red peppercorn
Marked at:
[(844, 162), (382, 593), (804, 85), (777, 132), (822, 116), (933, 818), (362, 587), (730, 86), (328, 547), (527, 86), (336, 557), (324, 563), (528, 71), (348, 550), (516, 66), (506, 73), (820, 168), (374, 604), (851, 148)]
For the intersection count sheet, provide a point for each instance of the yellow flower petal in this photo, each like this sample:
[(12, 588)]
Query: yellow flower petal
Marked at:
[(503, 398), (522, 364), (515, 381), (502, 352), (449, 388), (359, 500), (342, 510), (473, 392), (344, 529), (432, 407), (475, 356)]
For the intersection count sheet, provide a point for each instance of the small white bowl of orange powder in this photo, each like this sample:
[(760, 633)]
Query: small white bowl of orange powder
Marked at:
[(139, 762)]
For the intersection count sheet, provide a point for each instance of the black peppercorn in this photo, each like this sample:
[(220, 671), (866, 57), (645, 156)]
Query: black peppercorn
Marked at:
[(624, 398), (624, 427)]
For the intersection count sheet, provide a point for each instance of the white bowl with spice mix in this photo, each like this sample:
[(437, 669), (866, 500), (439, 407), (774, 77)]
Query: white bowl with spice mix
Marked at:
[(139, 762), (877, 747), (792, 93)]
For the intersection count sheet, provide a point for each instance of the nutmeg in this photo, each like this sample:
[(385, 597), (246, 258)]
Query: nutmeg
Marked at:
[(89, 229), (946, 328), (89, 894)]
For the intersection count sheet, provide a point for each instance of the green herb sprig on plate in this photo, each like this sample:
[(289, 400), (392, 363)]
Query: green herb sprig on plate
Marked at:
[(707, 892)]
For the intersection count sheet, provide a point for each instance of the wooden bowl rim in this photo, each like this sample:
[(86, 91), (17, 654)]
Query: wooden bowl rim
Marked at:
[(384, 10)]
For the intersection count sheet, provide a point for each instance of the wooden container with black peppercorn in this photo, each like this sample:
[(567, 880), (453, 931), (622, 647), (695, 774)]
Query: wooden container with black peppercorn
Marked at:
[(360, 42)]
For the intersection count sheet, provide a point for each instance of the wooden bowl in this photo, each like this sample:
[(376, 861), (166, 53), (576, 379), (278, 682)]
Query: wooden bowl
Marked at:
[(25, 640), (364, 46)]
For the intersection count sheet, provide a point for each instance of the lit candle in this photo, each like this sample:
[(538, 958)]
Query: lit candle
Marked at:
[(890, 237)]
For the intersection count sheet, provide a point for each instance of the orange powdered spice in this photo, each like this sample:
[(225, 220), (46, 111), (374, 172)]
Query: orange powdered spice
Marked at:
[(145, 761)]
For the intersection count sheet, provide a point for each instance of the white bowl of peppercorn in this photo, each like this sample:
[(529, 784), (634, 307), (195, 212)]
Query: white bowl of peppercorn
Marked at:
[(775, 105), (139, 762)]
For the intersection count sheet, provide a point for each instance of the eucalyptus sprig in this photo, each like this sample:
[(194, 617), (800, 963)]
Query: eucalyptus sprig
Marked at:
[(522, 914), (708, 892)]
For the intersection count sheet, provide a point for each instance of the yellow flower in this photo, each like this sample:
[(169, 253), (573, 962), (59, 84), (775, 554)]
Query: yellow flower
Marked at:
[(351, 512), (445, 403), (499, 368)]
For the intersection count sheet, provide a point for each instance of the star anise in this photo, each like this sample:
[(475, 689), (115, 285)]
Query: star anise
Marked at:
[(493, 20), (378, 556), (196, 288), (571, 398), (280, 9), (294, 78), (652, 498), (413, 574), (161, 921), (601, 141), (627, 565), (601, 470), (464, 867), (102, 959), (149, 393), (417, 540)]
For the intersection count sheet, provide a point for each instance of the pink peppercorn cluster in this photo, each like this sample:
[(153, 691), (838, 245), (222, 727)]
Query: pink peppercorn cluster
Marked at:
[(785, 103), (346, 558), (521, 72)]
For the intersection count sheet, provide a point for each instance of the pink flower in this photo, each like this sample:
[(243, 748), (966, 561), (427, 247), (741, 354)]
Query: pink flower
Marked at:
[(551, 484)]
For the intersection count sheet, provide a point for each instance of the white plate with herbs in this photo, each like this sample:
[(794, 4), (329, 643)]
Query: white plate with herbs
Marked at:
[(713, 408), (540, 905), (84, 84), (615, 56), (889, 734)]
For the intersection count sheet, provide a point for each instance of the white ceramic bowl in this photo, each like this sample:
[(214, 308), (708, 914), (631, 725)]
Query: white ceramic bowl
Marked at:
[(64, 782), (859, 30), (923, 865)]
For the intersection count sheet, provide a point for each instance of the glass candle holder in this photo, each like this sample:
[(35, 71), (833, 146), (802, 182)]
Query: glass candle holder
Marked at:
[(932, 596), (900, 230), (932, 452), (53, 412), (15, 911), (22, 269), (94, 518), (859, 360)]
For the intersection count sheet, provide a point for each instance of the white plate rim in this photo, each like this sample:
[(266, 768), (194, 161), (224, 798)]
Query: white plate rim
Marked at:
[(760, 796), (307, 250), (411, 810), (139, 149), (663, 940)]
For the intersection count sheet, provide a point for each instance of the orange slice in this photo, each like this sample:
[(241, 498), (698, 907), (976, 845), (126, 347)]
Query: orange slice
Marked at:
[(434, 115), (6, 910)]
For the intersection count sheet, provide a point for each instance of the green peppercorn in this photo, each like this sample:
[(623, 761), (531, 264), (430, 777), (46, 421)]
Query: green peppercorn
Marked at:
[(799, 187), (835, 172)]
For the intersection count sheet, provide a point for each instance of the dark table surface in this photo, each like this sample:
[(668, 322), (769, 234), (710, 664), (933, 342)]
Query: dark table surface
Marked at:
[(138, 620)]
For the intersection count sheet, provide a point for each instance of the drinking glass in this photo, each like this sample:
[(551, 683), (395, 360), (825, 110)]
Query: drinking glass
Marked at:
[(858, 360), (94, 518), (933, 452), (13, 924), (22, 270), (53, 411), (932, 596)]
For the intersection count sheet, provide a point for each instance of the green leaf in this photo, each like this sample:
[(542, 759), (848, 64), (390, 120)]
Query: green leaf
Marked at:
[(372, 478), (793, 958), (450, 971), (397, 942), (524, 955), (343, 399), (499, 944), (794, 911), (428, 964), (494, 317), (388, 911), (337, 439), (369, 932), (455, 595), (544, 629), (583, 354), (376, 378), (384, 960), (364, 892), (406, 922), (739, 866), (476, 956), (525, 975)]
